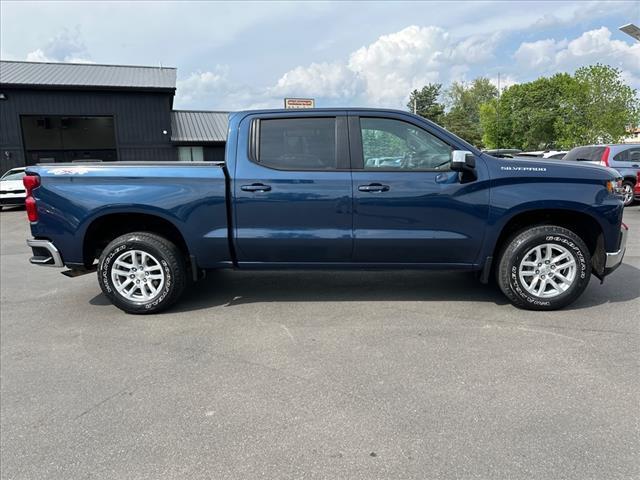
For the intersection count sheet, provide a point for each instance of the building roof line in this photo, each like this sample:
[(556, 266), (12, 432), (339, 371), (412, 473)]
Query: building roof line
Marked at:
[(200, 111), (90, 64)]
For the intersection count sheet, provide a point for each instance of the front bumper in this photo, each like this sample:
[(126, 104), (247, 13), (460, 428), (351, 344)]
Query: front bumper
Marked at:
[(614, 259), (7, 200), (44, 253)]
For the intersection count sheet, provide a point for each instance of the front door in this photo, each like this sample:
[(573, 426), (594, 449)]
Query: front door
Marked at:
[(292, 190), (409, 207)]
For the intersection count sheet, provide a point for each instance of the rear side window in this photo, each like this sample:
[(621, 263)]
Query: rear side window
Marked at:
[(585, 154), (630, 155), (297, 143)]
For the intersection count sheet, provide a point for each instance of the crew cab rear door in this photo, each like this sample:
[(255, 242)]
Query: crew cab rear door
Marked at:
[(292, 189), (409, 206)]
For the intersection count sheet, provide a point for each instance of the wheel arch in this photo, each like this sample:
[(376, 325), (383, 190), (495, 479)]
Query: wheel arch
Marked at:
[(581, 223), (105, 228)]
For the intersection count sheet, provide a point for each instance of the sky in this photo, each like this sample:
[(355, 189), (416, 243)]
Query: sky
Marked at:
[(238, 55)]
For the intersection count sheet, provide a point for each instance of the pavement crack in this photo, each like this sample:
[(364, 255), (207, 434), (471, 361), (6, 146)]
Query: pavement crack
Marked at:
[(102, 402), (288, 332), (547, 332)]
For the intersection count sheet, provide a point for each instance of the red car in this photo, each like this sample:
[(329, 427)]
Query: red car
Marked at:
[(636, 189)]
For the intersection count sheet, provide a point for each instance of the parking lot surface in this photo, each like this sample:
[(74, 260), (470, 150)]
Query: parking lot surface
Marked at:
[(291, 375)]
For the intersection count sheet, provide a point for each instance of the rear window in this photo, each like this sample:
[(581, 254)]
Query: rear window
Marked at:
[(297, 143), (585, 154)]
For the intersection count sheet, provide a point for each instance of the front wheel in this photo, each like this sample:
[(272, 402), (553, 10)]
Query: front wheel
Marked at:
[(142, 272), (627, 192), (544, 268)]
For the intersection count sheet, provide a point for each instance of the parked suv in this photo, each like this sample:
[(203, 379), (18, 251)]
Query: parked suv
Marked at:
[(625, 158)]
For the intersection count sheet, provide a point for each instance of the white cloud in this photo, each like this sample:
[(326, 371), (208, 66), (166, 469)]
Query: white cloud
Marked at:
[(216, 90), (384, 72), (594, 46), (505, 81), (66, 46), (327, 80), (381, 73), (538, 54), (203, 84)]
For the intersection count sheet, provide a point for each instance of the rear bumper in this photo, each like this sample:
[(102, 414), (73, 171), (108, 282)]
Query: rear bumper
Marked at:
[(614, 259), (44, 253)]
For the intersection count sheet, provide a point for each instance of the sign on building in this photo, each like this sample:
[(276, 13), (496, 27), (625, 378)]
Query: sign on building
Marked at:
[(299, 103)]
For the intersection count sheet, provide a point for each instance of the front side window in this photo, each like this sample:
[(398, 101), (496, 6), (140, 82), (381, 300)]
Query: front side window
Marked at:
[(394, 144), (297, 143)]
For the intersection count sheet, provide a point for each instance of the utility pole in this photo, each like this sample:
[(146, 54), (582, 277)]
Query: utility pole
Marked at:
[(415, 106), (498, 114)]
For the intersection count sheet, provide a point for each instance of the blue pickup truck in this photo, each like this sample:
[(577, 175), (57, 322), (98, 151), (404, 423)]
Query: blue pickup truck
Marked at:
[(330, 189)]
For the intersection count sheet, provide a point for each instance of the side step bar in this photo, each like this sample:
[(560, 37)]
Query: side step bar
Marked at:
[(44, 253)]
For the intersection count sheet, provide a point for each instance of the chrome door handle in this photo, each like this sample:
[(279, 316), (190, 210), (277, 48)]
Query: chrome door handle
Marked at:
[(374, 187), (256, 187)]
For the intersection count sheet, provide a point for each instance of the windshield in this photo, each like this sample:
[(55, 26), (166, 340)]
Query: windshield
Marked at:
[(585, 154), (13, 175)]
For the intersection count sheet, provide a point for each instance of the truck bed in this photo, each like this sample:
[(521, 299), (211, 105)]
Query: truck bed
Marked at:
[(76, 198)]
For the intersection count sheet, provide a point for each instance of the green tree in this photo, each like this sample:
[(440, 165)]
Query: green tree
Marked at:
[(594, 105), (525, 115), (464, 101), (599, 108), (426, 102)]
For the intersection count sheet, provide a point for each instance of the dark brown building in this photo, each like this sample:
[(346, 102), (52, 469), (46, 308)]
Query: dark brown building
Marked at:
[(62, 112)]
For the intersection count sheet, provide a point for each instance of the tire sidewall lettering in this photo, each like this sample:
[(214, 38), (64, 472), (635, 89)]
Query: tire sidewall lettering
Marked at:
[(522, 247), (105, 275), (105, 269)]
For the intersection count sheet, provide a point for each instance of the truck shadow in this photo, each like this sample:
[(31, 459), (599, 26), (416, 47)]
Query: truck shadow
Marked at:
[(229, 288)]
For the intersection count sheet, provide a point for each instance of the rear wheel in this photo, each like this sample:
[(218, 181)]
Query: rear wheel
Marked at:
[(142, 272), (544, 268)]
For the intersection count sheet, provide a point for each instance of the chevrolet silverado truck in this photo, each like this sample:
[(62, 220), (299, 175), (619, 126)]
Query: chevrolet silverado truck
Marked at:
[(330, 189)]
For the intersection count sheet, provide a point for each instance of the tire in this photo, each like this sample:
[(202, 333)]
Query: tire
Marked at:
[(153, 262), (627, 188), (519, 264)]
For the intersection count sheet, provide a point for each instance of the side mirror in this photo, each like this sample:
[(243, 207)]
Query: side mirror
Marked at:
[(462, 160)]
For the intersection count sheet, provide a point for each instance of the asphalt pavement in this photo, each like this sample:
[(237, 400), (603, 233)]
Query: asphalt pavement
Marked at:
[(316, 375)]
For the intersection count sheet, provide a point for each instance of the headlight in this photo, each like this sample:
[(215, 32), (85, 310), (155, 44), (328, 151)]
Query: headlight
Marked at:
[(615, 186)]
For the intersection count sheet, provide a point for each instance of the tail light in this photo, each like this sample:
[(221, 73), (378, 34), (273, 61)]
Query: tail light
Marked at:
[(30, 182), (604, 160)]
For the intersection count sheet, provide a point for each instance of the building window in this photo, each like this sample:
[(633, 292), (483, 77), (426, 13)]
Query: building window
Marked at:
[(56, 138), (190, 154)]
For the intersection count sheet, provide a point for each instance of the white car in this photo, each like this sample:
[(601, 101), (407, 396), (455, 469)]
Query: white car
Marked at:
[(551, 154), (11, 188)]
